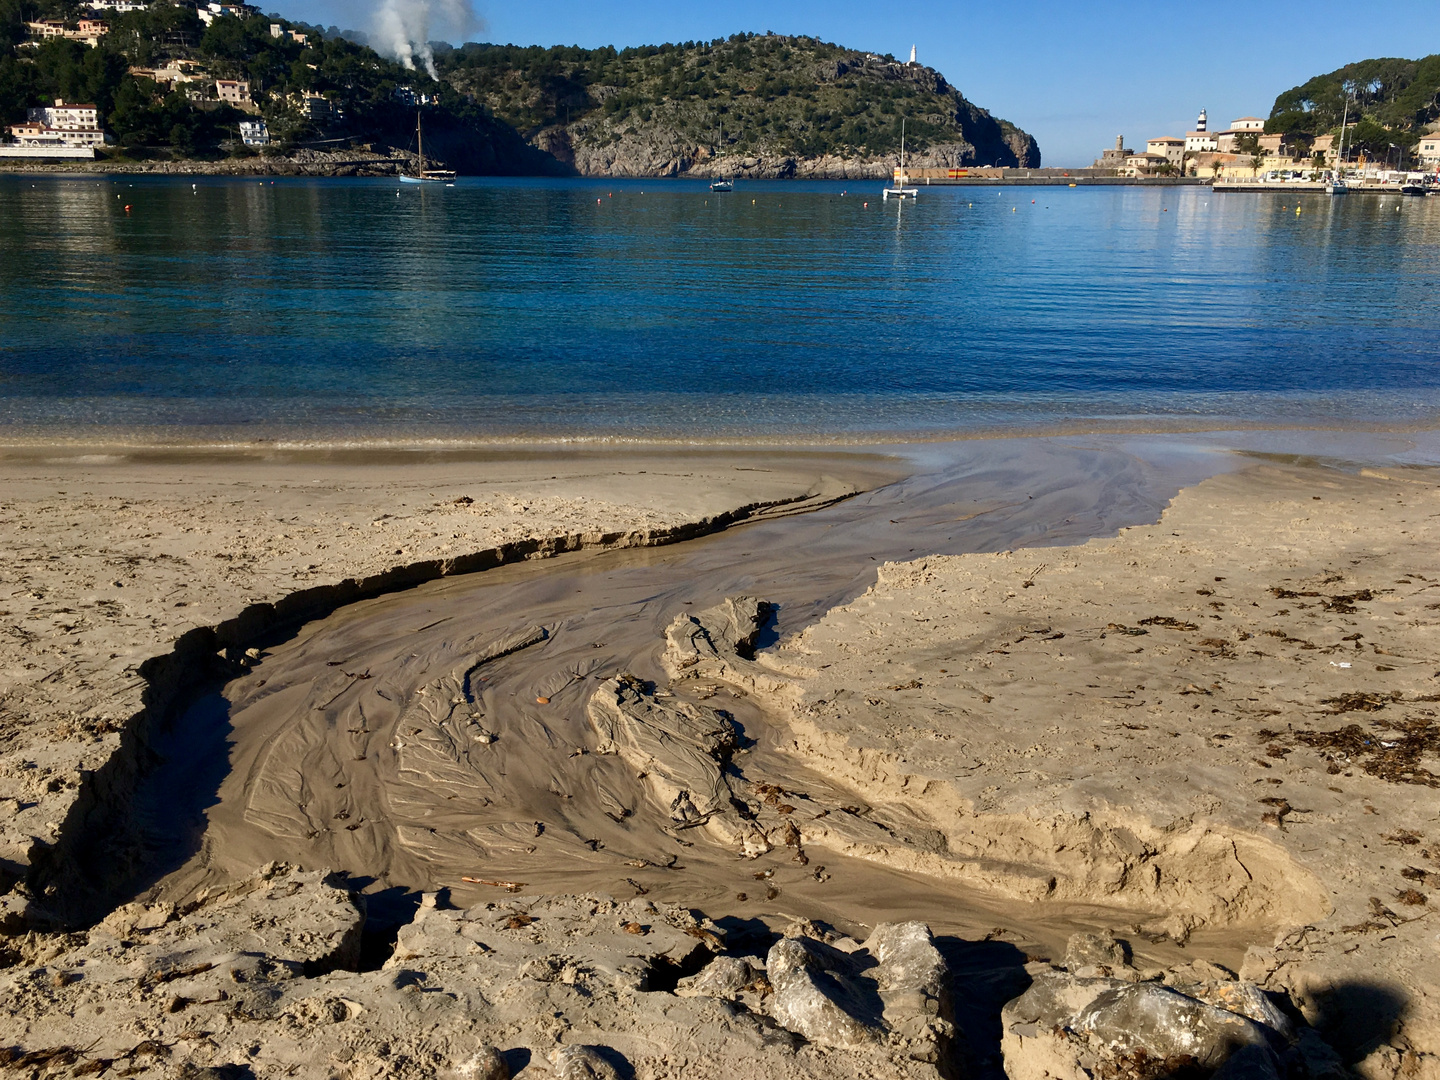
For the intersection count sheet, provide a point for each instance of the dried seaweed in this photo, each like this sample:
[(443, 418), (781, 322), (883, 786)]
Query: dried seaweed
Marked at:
[(1169, 623), (1360, 702), (1394, 757)]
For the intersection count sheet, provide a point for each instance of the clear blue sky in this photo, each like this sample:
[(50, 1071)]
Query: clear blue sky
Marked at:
[(1073, 74)]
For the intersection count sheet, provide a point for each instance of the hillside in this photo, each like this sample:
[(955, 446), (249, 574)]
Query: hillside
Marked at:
[(787, 106), (1393, 101), (314, 92)]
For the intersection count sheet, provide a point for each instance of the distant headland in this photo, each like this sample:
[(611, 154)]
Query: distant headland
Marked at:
[(179, 86)]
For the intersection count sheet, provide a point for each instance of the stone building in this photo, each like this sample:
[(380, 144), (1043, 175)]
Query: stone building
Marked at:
[(1114, 159)]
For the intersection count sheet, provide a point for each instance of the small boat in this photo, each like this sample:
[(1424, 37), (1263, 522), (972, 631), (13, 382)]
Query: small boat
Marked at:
[(424, 175), (898, 190), (1416, 188), (720, 183)]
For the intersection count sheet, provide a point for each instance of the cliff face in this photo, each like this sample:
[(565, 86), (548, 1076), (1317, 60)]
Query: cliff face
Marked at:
[(751, 106)]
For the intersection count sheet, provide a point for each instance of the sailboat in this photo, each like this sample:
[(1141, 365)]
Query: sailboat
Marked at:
[(424, 175), (898, 189), (721, 184), (1338, 186)]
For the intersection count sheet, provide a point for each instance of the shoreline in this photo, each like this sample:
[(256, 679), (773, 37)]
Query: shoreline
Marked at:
[(148, 444)]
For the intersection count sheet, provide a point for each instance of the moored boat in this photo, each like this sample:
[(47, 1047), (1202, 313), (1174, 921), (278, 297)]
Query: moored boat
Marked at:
[(423, 175)]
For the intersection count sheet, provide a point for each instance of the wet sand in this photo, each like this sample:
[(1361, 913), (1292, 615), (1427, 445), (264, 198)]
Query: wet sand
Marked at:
[(113, 554), (324, 768)]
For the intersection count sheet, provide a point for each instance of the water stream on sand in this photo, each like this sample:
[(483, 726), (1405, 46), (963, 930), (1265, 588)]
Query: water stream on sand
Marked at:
[(303, 758)]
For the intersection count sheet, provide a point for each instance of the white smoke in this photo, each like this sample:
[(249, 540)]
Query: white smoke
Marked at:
[(404, 28)]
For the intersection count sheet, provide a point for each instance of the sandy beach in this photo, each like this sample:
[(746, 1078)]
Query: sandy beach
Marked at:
[(288, 784)]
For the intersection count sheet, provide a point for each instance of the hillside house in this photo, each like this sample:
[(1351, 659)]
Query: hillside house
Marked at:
[(234, 91), (254, 133)]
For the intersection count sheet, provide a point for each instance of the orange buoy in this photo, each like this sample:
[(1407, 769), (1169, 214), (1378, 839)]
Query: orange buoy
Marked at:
[(542, 701)]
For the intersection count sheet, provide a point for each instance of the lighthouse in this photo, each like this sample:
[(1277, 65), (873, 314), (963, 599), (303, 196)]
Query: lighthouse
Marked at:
[(912, 55), (1202, 124)]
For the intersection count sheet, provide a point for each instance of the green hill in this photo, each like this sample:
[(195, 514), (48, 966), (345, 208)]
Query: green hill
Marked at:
[(1391, 101), (792, 105), (787, 106), (366, 97)]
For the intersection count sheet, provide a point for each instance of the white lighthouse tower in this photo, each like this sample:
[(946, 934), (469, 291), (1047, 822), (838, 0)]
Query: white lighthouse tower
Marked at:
[(912, 55), (1203, 123)]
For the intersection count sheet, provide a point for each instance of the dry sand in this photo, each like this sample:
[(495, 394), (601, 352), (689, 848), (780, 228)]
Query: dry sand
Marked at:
[(1226, 718), (1207, 734)]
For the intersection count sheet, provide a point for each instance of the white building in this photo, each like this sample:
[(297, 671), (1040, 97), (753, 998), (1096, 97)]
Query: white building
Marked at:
[(60, 127), (255, 132), (1246, 125), (210, 12), (1201, 140), (120, 7), (1428, 152)]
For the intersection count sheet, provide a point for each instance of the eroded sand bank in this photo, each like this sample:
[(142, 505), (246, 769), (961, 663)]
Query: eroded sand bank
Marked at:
[(1152, 735)]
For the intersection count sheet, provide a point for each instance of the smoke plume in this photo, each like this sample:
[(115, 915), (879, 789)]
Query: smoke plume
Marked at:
[(404, 29)]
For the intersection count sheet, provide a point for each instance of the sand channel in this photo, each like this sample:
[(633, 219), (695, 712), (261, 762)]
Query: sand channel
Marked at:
[(446, 733)]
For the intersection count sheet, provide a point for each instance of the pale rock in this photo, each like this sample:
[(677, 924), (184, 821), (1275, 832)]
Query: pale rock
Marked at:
[(1096, 951), (1166, 1024), (815, 994), (913, 981), (487, 1063), (582, 1063), (724, 977)]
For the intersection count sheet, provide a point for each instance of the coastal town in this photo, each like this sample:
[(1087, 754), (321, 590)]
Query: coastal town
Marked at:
[(1246, 151)]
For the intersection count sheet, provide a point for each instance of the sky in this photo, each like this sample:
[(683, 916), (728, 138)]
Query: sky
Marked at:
[(1074, 75)]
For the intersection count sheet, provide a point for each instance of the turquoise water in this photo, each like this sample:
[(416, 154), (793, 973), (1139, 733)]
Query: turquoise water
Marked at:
[(339, 309)]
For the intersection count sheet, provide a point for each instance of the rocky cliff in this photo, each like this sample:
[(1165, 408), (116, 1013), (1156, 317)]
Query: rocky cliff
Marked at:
[(751, 106)]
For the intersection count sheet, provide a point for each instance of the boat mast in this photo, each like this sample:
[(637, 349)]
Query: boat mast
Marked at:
[(1344, 122), (420, 141)]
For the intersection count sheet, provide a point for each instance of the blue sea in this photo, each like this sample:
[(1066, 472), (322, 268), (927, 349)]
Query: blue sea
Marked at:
[(501, 310)]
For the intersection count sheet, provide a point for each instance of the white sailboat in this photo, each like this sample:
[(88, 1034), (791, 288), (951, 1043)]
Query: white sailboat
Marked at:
[(898, 190), (1339, 187), (424, 175), (721, 184)]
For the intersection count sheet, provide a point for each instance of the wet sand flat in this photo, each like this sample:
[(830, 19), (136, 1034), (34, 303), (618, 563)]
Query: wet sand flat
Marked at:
[(112, 553)]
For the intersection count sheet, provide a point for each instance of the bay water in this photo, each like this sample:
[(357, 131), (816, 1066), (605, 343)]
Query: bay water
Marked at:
[(306, 310)]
